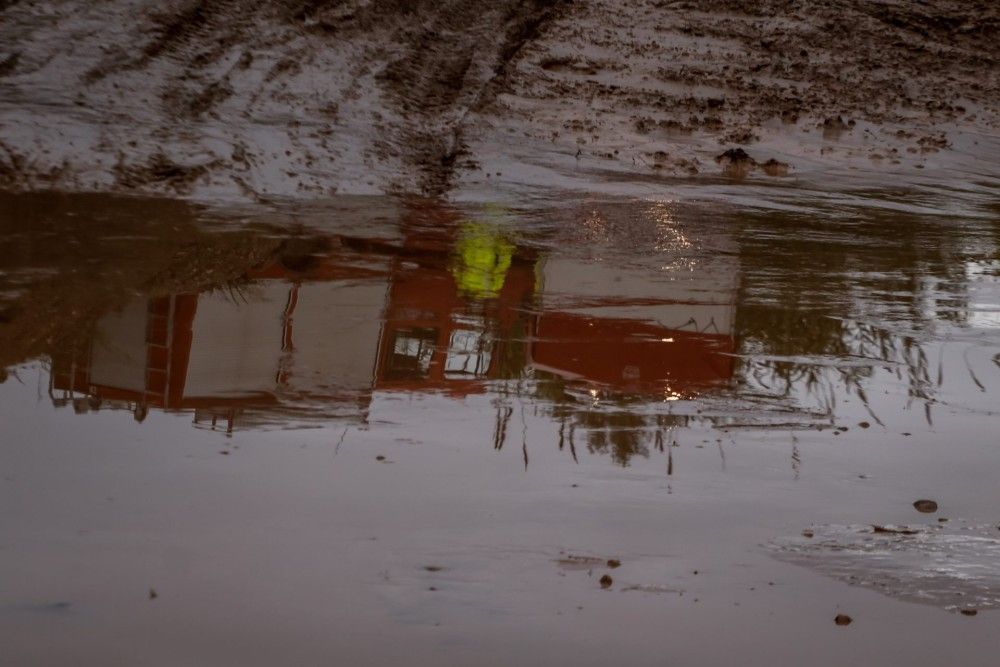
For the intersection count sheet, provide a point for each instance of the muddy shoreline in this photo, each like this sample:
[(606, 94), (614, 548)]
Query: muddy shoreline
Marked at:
[(244, 100)]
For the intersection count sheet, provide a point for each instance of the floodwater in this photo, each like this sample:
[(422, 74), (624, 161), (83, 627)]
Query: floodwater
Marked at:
[(592, 431)]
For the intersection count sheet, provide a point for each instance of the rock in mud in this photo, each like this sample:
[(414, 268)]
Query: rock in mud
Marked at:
[(926, 506)]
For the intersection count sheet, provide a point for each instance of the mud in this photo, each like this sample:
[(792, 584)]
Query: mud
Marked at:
[(247, 99)]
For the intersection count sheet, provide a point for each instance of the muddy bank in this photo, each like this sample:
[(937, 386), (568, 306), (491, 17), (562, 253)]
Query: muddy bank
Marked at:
[(250, 99)]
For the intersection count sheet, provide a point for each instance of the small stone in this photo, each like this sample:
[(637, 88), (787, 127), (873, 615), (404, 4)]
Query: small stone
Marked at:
[(926, 506), (606, 581), (380, 458), (614, 562), (843, 619), (969, 612), (864, 424)]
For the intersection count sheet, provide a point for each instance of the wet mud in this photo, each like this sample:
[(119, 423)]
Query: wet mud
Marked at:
[(249, 100)]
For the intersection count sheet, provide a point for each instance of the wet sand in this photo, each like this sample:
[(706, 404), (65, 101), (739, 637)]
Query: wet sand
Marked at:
[(374, 430)]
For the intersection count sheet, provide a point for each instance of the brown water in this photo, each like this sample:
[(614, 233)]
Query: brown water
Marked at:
[(378, 431)]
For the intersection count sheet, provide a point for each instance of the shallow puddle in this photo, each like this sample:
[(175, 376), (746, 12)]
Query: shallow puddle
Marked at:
[(378, 429), (951, 565)]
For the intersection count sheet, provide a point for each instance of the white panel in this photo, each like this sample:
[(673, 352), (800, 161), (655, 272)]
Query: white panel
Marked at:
[(118, 358), (237, 342), (336, 331)]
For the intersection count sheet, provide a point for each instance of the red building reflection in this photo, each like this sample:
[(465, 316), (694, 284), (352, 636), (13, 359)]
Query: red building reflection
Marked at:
[(438, 304)]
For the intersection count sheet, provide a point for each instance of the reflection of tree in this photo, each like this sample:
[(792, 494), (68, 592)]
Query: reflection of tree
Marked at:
[(620, 434), (621, 426), (833, 299)]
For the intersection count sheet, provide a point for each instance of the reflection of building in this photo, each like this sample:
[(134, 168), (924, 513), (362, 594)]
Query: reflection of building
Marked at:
[(438, 335), (447, 305), (315, 332), (273, 343), (617, 328)]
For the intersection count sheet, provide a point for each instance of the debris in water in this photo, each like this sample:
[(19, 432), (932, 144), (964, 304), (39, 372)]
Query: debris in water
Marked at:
[(380, 458), (843, 619), (614, 562), (807, 533), (433, 568), (573, 562), (969, 612), (606, 581), (893, 530), (153, 594), (926, 506)]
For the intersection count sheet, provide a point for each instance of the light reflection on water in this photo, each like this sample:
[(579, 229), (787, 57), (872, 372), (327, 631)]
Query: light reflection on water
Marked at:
[(397, 417), (621, 321)]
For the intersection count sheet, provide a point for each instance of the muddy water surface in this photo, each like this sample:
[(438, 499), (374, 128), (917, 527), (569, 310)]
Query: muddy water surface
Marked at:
[(373, 430)]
